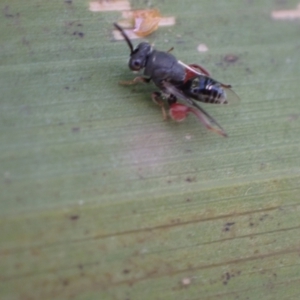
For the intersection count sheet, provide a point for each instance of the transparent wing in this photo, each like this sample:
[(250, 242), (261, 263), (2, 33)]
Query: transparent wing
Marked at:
[(231, 96), (208, 121)]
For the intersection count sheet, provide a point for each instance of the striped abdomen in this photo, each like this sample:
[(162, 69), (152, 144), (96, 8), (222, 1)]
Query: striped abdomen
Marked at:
[(205, 89)]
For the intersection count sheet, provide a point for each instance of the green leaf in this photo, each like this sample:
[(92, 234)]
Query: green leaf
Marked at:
[(102, 199)]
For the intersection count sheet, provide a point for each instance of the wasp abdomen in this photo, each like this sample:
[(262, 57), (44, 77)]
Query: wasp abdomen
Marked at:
[(206, 90)]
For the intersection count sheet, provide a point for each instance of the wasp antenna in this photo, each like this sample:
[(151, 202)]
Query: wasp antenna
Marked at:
[(125, 37)]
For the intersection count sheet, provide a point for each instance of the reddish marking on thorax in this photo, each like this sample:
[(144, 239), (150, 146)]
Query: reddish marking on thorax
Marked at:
[(189, 74)]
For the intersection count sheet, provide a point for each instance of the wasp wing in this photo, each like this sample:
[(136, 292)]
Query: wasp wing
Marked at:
[(208, 121), (231, 96)]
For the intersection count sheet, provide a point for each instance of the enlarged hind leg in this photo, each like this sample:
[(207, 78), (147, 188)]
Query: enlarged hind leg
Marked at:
[(178, 112), (156, 98)]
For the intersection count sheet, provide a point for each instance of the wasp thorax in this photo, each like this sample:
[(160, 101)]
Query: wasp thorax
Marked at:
[(139, 56)]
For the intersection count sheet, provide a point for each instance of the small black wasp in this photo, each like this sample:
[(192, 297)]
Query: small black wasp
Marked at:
[(178, 82)]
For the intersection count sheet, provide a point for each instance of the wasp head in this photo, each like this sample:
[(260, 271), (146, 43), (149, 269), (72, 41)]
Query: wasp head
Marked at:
[(139, 55)]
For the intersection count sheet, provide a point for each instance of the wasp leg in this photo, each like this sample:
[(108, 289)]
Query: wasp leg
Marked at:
[(156, 98), (171, 99), (135, 80), (227, 86), (171, 49)]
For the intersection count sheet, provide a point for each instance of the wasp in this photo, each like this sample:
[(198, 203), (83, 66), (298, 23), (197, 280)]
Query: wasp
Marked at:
[(179, 84)]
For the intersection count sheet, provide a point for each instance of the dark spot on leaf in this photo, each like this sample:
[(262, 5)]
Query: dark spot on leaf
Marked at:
[(176, 221), (66, 88), (65, 282), (227, 276), (7, 14), (231, 58), (228, 225), (126, 271), (262, 166), (78, 33), (262, 218), (191, 179), (25, 41), (75, 129), (74, 217), (68, 1)]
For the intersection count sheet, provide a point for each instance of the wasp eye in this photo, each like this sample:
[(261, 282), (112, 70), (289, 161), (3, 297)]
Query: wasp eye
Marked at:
[(135, 64)]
